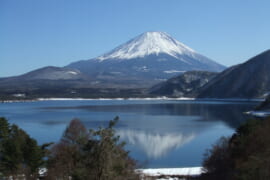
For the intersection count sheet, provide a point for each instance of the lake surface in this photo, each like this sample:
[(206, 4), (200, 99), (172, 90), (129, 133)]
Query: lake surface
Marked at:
[(159, 133)]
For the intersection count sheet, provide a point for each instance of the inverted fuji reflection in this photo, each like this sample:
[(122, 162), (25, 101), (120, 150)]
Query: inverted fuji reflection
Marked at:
[(155, 145)]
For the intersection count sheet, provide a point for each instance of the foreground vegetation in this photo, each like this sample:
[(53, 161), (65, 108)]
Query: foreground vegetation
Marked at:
[(244, 156), (80, 154), (98, 154), (19, 154)]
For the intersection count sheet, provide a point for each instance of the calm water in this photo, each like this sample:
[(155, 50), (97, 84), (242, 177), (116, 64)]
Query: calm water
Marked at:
[(158, 133)]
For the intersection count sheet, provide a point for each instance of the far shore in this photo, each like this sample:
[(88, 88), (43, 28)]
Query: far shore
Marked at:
[(133, 99)]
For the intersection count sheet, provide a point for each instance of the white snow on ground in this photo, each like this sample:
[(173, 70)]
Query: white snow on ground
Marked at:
[(72, 72), (189, 171), (259, 113), (71, 99), (156, 98), (173, 71), (42, 171), (101, 99), (19, 95), (150, 99)]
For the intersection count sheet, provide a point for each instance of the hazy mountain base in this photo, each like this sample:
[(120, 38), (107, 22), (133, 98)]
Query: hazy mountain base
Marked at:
[(151, 69), (94, 93), (31, 87)]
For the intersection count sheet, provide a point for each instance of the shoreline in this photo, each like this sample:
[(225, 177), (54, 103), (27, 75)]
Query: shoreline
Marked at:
[(134, 99), (185, 172)]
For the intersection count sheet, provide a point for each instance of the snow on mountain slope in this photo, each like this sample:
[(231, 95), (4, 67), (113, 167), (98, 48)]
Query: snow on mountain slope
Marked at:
[(145, 60), (146, 44)]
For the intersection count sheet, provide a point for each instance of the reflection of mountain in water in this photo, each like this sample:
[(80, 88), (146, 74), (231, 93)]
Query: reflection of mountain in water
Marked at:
[(153, 144)]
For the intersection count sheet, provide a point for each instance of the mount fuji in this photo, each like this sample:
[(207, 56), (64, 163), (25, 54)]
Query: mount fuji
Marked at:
[(126, 71), (147, 59)]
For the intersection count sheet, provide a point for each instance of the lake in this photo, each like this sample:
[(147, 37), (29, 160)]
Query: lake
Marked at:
[(158, 133)]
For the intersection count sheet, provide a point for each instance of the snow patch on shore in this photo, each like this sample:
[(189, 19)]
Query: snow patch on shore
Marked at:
[(150, 99), (189, 171), (258, 113), (80, 99)]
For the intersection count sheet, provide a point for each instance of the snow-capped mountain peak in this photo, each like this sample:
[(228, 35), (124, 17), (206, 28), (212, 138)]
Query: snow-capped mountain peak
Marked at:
[(146, 44), (149, 58)]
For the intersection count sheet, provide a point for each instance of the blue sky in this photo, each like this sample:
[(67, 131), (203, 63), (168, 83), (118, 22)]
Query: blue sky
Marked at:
[(37, 33)]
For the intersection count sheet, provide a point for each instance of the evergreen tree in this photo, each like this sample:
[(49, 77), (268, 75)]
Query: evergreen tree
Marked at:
[(65, 158), (19, 153), (4, 128), (94, 154), (108, 156)]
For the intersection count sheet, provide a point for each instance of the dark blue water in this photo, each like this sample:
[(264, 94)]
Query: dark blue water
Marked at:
[(159, 133)]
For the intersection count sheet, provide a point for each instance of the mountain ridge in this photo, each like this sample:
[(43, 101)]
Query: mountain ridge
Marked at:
[(246, 80)]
